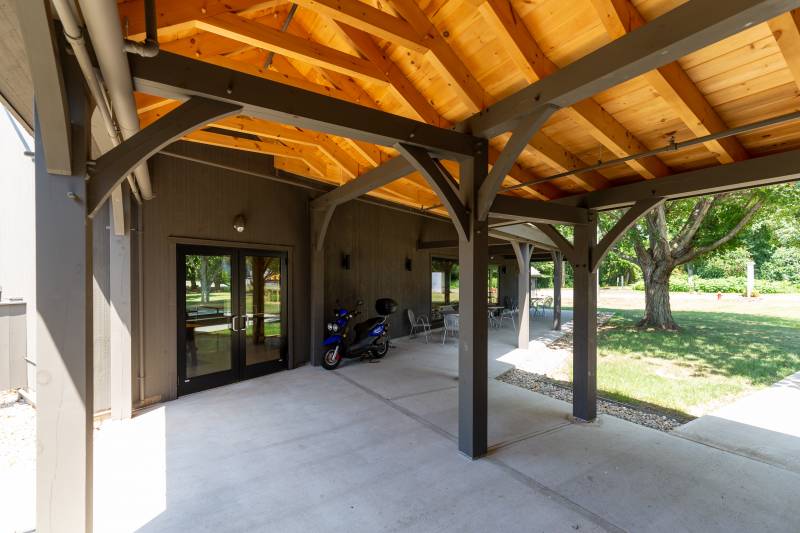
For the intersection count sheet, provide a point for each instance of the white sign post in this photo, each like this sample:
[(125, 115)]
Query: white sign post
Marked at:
[(751, 275)]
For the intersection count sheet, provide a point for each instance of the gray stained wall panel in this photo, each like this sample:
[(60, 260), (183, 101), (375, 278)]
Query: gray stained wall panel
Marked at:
[(196, 201)]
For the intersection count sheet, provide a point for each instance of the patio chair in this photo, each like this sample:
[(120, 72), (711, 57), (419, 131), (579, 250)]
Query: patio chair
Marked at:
[(508, 314), (419, 323), (493, 321), (450, 324), (547, 303)]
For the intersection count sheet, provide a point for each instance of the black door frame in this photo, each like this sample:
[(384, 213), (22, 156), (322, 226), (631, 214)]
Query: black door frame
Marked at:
[(239, 369), (260, 369)]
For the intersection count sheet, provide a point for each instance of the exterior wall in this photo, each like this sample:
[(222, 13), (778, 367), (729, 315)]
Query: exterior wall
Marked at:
[(199, 202), (379, 240), (17, 227), (196, 202)]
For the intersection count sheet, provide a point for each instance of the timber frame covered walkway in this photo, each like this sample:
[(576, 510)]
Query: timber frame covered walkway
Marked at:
[(394, 102)]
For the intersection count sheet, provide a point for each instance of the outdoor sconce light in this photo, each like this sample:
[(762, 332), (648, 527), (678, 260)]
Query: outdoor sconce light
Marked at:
[(408, 264), (346, 261), (238, 223), (503, 269)]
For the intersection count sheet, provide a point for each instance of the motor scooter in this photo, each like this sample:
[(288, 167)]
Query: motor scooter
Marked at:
[(368, 339)]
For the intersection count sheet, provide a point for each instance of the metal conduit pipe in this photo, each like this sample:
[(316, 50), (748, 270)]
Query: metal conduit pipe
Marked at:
[(74, 32), (149, 47), (102, 22)]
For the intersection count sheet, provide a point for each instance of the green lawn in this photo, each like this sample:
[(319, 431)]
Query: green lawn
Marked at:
[(222, 299), (712, 359)]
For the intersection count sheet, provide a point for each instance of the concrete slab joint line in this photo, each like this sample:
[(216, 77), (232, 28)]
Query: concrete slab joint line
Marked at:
[(516, 474)]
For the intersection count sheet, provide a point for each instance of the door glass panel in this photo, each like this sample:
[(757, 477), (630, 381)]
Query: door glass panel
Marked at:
[(208, 306), (263, 308)]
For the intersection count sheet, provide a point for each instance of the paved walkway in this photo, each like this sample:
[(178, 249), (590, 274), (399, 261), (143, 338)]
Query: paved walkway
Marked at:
[(764, 425), (371, 447)]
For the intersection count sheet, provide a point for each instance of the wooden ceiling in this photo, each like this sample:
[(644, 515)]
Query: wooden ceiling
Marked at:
[(440, 61)]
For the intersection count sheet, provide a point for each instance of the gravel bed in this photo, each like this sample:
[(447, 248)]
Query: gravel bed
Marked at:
[(644, 416)]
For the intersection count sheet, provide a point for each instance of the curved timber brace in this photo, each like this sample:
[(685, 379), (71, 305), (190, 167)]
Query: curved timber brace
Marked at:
[(598, 251), (111, 169), (441, 182), (585, 255)]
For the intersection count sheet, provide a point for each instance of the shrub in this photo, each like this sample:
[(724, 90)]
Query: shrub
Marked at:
[(729, 285), (724, 264), (784, 265)]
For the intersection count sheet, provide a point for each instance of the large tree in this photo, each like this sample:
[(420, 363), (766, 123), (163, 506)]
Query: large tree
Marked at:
[(678, 232)]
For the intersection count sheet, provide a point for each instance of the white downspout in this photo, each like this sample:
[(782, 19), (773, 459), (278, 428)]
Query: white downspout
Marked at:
[(74, 32), (102, 22)]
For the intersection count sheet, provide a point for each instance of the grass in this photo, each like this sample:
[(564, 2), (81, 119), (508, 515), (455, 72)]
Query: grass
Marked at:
[(715, 357), (222, 299)]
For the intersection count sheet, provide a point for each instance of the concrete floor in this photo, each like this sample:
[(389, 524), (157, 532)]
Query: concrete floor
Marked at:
[(370, 447), (764, 425)]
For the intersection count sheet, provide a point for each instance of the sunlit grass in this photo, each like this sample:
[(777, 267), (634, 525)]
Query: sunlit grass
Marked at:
[(712, 359)]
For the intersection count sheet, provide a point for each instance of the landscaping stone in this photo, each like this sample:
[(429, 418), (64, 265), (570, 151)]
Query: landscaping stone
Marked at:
[(638, 415)]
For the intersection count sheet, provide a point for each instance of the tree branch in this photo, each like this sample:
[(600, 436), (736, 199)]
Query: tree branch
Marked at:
[(725, 238), (692, 225)]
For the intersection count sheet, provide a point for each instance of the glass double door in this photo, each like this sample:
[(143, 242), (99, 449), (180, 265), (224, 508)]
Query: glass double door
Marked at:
[(231, 315)]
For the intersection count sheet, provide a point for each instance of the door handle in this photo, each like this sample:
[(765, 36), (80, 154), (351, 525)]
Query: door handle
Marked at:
[(233, 323)]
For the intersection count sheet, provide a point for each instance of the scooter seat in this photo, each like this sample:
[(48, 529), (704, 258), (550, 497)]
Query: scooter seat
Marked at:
[(364, 327)]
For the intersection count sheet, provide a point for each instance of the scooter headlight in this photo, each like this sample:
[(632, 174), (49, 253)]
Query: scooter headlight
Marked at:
[(333, 327)]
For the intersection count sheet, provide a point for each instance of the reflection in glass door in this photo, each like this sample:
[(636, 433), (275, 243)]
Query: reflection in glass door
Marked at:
[(206, 332), (231, 316), (264, 311)]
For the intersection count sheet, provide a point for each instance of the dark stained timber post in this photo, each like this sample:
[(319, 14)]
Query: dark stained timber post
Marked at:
[(64, 365), (473, 254), (319, 223), (584, 347), (558, 281)]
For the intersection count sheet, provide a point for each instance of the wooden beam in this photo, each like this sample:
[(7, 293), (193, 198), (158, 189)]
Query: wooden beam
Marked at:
[(177, 15), (675, 34), (112, 168), (771, 169), (300, 153), (563, 161), (370, 180), (260, 36), (418, 103), (38, 33), (619, 229), (368, 19), (513, 148), (173, 76), (525, 210), (440, 181), (426, 112), (349, 166), (535, 65), (786, 29), (563, 244), (673, 84), (442, 56)]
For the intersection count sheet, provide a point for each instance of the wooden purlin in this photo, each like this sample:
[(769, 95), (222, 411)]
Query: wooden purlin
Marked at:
[(535, 65), (673, 84), (742, 79)]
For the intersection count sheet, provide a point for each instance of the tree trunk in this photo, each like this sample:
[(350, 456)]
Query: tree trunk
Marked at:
[(657, 313), (204, 285)]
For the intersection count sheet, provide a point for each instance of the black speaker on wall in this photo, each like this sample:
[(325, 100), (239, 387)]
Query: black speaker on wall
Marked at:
[(346, 261), (408, 264)]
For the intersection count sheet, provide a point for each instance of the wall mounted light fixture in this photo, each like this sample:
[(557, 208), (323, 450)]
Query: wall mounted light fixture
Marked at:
[(346, 261), (408, 264), (238, 223)]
